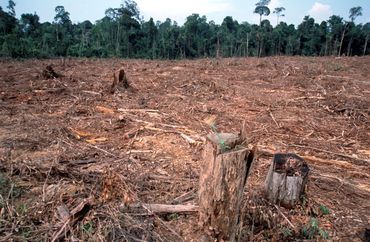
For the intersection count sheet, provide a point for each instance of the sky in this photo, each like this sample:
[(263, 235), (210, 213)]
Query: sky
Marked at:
[(240, 10)]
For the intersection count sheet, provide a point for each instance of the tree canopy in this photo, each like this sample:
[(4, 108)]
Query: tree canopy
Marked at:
[(123, 33)]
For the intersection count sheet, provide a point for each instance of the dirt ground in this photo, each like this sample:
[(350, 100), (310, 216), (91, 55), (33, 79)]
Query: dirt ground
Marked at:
[(73, 155)]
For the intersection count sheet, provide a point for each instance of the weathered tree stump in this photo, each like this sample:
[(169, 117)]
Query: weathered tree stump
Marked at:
[(286, 180), (49, 73), (224, 173), (119, 81)]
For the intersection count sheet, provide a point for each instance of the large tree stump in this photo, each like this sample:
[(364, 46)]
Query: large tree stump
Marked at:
[(286, 180), (224, 172)]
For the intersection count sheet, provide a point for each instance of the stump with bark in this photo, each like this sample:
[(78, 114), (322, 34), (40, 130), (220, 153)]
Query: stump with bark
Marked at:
[(224, 171), (119, 81), (286, 180)]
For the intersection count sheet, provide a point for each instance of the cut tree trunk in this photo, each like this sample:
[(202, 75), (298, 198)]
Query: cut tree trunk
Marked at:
[(224, 172), (49, 73), (286, 180), (119, 81)]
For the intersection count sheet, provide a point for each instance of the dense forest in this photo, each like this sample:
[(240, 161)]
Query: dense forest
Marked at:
[(124, 33)]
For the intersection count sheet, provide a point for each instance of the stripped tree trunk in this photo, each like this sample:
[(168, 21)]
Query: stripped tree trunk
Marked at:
[(349, 47), (218, 47), (247, 44), (365, 46), (341, 40), (224, 173)]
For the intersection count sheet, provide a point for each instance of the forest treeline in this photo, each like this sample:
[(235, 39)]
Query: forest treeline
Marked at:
[(122, 32)]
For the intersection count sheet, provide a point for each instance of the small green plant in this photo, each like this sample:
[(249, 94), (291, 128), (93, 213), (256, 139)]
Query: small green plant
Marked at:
[(8, 188), (4, 183), (87, 228), (212, 124), (324, 234), (22, 209), (287, 232), (25, 233), (312, 230), (304, 200), (324, 210), (173, 216)]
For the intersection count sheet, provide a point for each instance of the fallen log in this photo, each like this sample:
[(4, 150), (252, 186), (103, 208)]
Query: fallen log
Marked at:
[(159, 208)]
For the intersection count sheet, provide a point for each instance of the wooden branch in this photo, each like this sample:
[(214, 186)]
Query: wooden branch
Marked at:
[(185, 197), (187, 138), (339, 163), (100, 149), (70, 221), (51, 90), (315, 159), (162, 124), (154, 209), (330, 152), (273, 118), (160, 208), (92, 92), (163, 223), (138, 110), (283, 215)]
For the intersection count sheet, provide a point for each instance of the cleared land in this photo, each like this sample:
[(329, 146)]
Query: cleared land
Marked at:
[(66, 139)]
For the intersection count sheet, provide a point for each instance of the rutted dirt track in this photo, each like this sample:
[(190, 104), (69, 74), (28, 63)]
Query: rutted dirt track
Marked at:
[(66, 139)]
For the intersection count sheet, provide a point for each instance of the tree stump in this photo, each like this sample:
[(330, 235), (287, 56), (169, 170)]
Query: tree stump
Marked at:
[(224, 173), (286, 180), (119, 81), (49, 73)]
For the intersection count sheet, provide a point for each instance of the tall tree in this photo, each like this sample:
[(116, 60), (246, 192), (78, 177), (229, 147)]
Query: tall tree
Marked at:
[(366, 31), (62, 16), (63, 30), (279, 13), (309, 37), (262, 9), (353, 14), (11, 7), (336, 26), (7, 22)]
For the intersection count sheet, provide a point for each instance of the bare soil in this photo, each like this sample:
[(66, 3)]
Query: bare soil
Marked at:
[(67, 144)]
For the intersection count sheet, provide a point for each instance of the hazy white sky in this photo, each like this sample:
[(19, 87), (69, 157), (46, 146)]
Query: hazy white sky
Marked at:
[(241, 10)]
